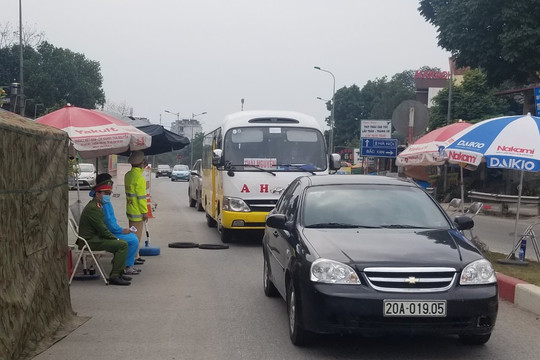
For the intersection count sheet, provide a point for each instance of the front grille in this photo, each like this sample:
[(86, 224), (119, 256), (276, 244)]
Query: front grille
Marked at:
[(261, 205), (410, 279)]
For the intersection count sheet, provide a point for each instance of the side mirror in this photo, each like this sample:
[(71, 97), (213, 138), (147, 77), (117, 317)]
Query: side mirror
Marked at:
[(334, 161), (216, 157), (464, 222), (279, 221)]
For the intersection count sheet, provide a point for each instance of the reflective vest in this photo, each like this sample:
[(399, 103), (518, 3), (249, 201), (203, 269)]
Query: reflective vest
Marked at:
[(135, 185)]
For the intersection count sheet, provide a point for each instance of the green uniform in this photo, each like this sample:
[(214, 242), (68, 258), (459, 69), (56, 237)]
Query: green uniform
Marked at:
[(92, 227)]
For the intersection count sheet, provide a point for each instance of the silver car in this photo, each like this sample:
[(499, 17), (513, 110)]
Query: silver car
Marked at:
[(86, 174), (195, 186)]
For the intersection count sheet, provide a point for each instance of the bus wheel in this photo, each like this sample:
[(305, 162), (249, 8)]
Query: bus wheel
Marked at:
[(226, 235), (210, 222)]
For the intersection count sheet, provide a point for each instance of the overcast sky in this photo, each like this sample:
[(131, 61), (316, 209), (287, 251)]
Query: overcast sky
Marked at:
[(191, 56)]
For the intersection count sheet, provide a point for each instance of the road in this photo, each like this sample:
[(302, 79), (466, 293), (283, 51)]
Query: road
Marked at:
[(209, 304)]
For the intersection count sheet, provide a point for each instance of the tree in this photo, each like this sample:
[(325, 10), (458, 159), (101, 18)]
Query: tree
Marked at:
[(122, 108), (499, 36), (54, 76), (9, 35), (376, 100), (472, 100)]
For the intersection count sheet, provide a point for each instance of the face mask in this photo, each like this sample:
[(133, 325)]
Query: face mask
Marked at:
[(106, 199)]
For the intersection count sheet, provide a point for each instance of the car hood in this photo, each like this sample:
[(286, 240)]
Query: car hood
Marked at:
[(180, 172), (395, 247), (86, 174)]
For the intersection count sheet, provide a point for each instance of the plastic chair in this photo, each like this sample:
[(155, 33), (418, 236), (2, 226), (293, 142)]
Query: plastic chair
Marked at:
[(455, 204), (83, 253), (474, 209)]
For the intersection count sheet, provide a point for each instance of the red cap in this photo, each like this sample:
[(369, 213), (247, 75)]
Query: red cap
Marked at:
[(103, 187)]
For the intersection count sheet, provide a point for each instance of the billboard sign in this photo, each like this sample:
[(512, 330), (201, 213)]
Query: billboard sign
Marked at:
[(380, 129)]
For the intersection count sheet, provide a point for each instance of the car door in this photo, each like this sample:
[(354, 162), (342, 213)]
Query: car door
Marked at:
[(279, 241), (198, 179)]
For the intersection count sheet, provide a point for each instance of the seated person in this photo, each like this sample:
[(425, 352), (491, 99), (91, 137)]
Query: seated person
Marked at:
[(117, 230), (92, 227)]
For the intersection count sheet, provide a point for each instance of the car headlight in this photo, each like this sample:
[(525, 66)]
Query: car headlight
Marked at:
[(478, 272), (333, 272), (235, 204)]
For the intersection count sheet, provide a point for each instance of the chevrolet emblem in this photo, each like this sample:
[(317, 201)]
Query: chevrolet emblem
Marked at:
[(411, 280)]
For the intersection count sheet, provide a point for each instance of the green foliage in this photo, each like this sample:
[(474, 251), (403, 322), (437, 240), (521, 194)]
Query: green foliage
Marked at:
[(473, 100), (499, 36), (54, 76), (376, 100)]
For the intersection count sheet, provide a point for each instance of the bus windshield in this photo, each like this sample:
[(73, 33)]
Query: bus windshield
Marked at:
[(274, 148)]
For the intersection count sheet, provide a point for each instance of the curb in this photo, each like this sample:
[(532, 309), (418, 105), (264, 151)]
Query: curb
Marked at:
[(519, 292)]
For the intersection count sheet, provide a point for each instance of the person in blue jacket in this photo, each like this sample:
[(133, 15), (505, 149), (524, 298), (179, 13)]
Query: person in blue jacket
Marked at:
[(120, 232)]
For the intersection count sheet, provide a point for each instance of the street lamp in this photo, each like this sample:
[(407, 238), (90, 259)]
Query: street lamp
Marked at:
[(21, 76), (177, 114), (191, 142), (177, 118), (320, 98), (331, 134)]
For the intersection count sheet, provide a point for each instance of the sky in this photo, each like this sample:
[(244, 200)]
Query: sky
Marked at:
[(195, 56)]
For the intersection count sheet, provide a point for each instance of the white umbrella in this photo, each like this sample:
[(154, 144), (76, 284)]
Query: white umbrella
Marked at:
[(94, 133), (426, 150), (508, 142)]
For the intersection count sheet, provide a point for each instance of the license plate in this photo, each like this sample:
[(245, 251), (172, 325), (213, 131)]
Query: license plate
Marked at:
[(414, 308)]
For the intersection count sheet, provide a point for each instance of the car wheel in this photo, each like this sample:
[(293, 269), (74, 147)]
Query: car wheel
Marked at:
[(172, 179), (269, 288), (192, 201), (210, 222), (157, 176), (474, 339), (198, 204), (298, 335)]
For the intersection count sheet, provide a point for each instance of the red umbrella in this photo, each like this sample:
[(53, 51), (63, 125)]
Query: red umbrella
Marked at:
[(96, 134), (427, 150)]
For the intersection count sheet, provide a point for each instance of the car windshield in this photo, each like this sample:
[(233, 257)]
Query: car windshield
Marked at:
[(164, 167), (86, 167), (181, 168), (371, 206), (274, 148)]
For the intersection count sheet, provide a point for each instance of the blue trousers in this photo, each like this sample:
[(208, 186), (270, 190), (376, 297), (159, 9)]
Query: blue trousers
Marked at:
[(133, 245)]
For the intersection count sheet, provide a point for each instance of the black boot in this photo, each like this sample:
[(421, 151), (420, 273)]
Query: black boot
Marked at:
[(119, 281)]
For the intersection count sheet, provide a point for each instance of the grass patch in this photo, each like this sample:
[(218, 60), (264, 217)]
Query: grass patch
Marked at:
[(529, 273)]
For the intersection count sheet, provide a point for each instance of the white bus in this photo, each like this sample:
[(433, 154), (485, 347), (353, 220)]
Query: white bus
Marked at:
[(251, 158)]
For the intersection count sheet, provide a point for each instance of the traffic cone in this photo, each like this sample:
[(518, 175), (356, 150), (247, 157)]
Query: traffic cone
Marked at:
[(149, 206)]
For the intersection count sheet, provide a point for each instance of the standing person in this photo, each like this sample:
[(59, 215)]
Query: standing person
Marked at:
[(92, 227), (136, 206), (117, 230)]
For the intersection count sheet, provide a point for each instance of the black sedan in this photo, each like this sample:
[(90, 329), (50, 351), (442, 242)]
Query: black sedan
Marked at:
[(375, 255)]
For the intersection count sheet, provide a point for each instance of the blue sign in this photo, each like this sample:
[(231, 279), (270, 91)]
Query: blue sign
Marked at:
[(537, 100), (379, 147)]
